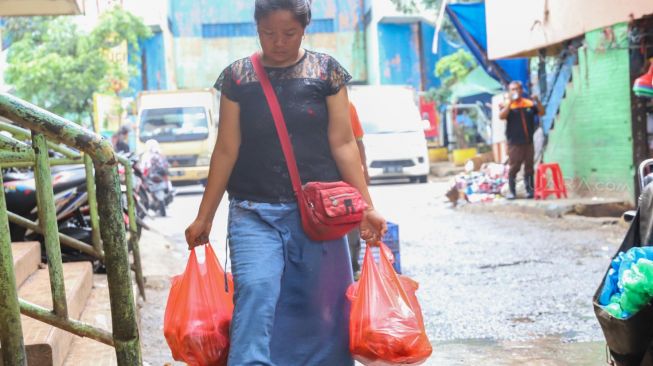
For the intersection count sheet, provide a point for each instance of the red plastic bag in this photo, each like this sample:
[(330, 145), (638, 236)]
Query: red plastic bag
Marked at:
[(198, 313), (386, 327)]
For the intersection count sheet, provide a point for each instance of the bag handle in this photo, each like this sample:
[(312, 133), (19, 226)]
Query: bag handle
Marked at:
[(280, 124)]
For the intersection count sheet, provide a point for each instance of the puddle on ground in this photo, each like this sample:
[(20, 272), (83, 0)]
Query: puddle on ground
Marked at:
[(552, 351)]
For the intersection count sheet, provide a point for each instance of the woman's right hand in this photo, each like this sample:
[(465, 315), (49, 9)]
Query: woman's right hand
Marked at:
[(198, 233)]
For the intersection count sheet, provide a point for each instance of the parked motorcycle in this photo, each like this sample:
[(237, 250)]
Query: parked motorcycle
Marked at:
[(158, 186), (140, 190), (156, 179), (70, 198), (71, 205), (13, 174)]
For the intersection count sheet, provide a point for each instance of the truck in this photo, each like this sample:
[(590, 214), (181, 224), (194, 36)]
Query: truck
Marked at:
[(185, 123)]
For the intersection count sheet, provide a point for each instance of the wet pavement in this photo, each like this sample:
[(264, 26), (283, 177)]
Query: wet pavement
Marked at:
[(495, 289)]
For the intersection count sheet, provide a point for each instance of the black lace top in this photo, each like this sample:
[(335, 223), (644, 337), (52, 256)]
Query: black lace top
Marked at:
[(260, 173)]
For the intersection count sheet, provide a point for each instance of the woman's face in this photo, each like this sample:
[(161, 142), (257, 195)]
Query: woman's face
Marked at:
[(281, 36)]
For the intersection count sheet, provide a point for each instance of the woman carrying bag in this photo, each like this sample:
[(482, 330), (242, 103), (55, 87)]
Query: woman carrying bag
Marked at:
[(287, 157)]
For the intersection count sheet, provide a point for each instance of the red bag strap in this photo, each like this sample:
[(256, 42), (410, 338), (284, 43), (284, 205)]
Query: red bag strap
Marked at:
[(279, 122)]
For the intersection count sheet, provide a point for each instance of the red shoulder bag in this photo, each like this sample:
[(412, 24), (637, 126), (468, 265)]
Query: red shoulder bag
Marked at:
[(329, 210)]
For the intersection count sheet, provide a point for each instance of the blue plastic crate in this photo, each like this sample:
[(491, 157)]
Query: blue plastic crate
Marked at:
[(397, 263), (391, 239)]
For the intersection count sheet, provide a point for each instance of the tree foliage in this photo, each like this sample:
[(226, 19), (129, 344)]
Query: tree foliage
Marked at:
[(54, 64), (412, 6), (452, 68)]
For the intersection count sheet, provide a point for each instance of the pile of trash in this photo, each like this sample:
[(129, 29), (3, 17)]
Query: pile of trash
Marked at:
[(484, 185), (628, 286)]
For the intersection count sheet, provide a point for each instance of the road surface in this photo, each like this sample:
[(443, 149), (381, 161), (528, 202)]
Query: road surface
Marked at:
[(495, 289)]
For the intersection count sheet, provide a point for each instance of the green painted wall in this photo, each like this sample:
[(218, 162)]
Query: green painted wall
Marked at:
[(199, 61), (592, 138)]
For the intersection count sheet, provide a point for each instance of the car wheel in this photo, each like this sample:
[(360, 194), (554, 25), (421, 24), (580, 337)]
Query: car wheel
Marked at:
[(423, 179)]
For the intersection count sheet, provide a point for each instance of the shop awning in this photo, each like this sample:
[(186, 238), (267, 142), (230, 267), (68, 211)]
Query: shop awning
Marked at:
[(477, 82), (518, 28), (469, 20), (40, 7)]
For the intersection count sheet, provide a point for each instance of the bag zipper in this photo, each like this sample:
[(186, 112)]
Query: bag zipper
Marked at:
[(341, 195), (334, 199)]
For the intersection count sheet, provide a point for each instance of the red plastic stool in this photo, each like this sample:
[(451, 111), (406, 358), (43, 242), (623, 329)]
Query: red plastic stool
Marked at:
[(542, 190)]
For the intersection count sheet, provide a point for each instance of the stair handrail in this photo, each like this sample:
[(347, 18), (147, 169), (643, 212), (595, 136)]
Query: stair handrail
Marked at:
[(125, 336), (21, 155)]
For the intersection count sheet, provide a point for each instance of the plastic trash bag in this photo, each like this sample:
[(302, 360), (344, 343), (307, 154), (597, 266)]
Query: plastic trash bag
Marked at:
[(630, 258), (633, 297), (198, 313), (645, 267), (610, 287), (386, 325), (637, 286), (614, 309), (615, 279)]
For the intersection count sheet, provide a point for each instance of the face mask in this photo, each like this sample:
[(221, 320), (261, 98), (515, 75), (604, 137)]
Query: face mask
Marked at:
[(515, 96)]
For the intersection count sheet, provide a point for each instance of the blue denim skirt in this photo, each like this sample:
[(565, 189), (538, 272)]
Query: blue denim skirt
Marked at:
[(290, 304)]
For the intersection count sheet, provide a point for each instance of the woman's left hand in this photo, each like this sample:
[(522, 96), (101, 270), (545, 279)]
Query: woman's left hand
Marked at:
[(373, 227)]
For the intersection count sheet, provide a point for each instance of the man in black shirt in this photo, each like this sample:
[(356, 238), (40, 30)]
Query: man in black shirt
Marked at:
[(120, 139), (520, 114)]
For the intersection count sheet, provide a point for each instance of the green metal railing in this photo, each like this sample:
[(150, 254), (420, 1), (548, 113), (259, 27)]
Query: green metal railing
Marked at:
[(15, 153), (109, 244)]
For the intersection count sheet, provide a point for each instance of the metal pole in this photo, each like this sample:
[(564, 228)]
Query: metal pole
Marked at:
[(68, 153), (64, 239), (123, 310), (15, 131), (92, 204), (48, 221), (11, 144), (30, 164), (11, 332), (133, 227), (9, 156), (541, 76), (57, 128), (71, 325)]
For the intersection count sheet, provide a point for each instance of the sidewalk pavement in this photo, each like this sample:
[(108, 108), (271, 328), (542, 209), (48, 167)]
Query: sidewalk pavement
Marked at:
[(445, 169), (159, 258), (556, 208), (160, 263)]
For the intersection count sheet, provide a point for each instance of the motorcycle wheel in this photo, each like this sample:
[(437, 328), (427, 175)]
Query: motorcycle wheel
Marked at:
[(145, 200)]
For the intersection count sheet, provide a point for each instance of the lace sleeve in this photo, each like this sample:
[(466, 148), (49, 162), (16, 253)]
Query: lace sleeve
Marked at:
[(337, 77), (227, 85)]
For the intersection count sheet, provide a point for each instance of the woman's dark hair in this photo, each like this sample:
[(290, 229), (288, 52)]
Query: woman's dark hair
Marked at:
[(300, 8)]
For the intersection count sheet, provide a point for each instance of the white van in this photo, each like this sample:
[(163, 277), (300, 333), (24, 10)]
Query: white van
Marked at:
[(394, 132)]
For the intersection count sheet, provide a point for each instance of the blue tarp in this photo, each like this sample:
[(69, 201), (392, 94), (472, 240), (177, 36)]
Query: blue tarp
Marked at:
[(469, 20)]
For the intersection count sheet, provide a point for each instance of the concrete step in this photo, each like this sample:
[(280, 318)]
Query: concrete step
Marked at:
[(47, 345), (87, 352), (27, 257)]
